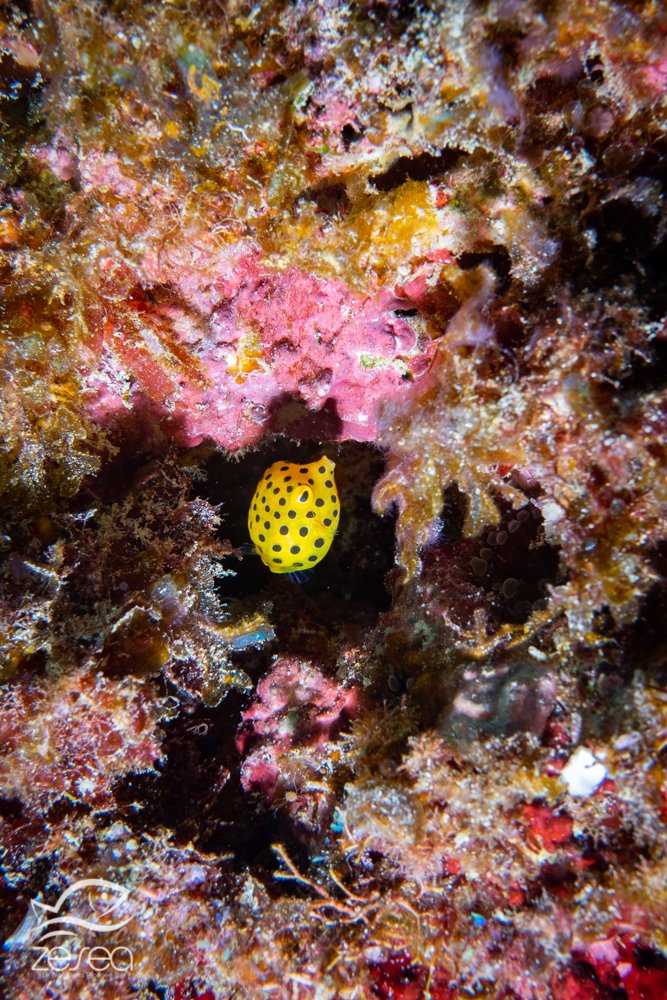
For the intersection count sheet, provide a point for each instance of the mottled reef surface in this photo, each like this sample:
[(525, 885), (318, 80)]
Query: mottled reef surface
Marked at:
[(425, 239)]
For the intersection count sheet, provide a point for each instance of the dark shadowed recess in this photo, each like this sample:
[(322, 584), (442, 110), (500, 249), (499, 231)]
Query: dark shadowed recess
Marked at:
[(497, 257), (628, 245), (425, 167), (20, 112), (352, 573), (196, 790), (617, 239), (197, 794), (506, 570), (328, 198), (394, 14), (640, 645), (499, 577)]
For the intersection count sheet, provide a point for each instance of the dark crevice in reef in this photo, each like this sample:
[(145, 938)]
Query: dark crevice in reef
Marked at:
[(452, 514), (350, 580), (197, 794), (291, 417), (21, 84), (395, 15), (330, 199), (498, 259), (505, 571), (643, 644), (515, 565), (196, 791), (424, 167), (638, 647), (639, 374), (349, 134), (617, 241)]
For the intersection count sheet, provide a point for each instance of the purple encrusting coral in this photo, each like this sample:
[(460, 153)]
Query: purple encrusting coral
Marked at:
[(426, 240)]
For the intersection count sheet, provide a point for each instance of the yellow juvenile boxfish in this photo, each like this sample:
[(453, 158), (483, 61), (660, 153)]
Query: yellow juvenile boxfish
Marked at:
[(294, 514)]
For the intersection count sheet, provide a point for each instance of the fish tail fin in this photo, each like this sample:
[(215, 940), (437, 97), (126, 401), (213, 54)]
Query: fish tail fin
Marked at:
[(299, 575)]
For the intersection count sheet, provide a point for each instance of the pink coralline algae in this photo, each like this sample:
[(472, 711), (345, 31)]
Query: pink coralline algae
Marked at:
[(289, 732), (266, 351)]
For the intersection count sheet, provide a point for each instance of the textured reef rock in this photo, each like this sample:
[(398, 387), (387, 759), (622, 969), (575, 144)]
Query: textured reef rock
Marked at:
[(258, 344), (297, 712), (426, 239)]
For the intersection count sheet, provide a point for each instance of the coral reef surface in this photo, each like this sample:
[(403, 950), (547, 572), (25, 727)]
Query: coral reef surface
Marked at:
[(425, 241)]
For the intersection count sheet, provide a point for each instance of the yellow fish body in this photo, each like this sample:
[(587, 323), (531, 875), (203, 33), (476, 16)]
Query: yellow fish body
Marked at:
[(294, 514)]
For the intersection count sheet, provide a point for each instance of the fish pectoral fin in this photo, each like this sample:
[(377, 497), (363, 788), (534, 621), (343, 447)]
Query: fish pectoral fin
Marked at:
[(246, 549)]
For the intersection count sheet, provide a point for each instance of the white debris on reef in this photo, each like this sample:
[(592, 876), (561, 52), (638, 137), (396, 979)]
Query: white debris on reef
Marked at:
[(583, 774)]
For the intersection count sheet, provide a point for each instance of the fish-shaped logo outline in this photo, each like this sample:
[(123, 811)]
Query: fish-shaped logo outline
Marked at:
[(40, 909)]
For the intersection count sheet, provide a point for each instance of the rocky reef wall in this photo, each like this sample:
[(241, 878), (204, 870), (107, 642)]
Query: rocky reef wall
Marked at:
[(427, 240)]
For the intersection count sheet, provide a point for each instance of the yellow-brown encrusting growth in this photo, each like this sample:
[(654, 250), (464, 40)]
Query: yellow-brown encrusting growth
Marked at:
[(294, 515)]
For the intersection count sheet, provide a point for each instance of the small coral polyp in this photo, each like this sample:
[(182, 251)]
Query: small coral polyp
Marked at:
[(294, 515)]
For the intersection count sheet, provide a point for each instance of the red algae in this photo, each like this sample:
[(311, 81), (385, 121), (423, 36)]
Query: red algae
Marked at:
[(426, 240)]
